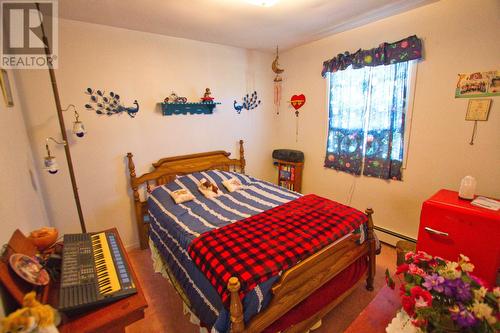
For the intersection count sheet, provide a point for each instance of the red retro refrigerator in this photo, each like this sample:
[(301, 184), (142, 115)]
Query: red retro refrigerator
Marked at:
[(450, 226)]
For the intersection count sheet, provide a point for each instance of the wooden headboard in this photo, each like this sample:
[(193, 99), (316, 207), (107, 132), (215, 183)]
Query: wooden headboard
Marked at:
[(166, 169)]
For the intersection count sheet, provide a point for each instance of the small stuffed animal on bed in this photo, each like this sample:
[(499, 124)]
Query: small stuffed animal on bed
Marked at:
[(209, 186), (208, 189), (34, 317)]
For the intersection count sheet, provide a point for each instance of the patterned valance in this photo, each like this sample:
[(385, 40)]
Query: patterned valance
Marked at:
[(406, 49)]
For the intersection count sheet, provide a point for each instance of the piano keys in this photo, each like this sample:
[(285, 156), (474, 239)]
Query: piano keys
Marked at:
[(94, 272)]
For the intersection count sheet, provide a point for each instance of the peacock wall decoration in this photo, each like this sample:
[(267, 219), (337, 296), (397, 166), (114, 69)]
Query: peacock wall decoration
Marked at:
[(250, 102), (108, 104)]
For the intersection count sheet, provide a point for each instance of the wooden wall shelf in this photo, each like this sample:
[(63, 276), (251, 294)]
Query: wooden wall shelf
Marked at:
[(170, 109)]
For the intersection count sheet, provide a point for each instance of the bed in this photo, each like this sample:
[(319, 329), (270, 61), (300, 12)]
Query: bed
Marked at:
[(286, 302)]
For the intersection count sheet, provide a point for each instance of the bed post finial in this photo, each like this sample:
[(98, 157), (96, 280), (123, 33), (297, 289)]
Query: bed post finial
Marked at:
[(235, 308), (131, 165), (242, 157), (371, 250), (137, 202)]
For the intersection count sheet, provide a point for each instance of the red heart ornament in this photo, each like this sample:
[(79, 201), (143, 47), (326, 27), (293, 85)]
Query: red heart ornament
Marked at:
[(298, 101)]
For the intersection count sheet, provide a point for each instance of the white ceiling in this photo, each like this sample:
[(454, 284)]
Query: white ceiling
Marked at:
[(289, 23)]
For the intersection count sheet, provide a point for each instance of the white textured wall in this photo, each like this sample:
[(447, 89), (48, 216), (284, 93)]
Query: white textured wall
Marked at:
[(459, 36), (146, 67), (21, 206)]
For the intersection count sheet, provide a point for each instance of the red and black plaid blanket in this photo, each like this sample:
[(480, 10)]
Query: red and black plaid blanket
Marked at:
[(259, 247)]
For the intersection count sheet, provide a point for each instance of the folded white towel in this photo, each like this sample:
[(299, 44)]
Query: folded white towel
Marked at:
[(182, 195), (232, 184)]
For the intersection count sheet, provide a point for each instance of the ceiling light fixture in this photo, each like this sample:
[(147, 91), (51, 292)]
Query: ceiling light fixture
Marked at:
[(263, 3)]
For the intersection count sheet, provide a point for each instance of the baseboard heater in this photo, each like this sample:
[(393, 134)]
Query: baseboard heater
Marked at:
[(395, 234)]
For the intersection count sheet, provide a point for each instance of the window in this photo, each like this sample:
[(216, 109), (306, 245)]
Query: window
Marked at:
[(367, 111)]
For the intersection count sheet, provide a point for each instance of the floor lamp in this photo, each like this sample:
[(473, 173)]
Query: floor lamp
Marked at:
[(62, 126)]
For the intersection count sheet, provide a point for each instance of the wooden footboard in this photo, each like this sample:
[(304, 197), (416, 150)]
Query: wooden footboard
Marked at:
[(300, 281)]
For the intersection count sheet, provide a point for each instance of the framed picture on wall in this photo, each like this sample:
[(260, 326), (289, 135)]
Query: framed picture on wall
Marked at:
[(478, 109), (6, 91), (478, 84)]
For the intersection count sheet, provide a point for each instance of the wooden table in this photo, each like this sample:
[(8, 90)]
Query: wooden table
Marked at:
[(378, 314), (110, 318)]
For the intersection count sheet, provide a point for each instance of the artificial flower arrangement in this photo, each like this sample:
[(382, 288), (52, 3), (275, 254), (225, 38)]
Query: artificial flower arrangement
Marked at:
[(443, 296)]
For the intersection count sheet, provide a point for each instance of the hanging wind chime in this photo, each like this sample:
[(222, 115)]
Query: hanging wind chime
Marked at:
[(277, 82), (297, 101)]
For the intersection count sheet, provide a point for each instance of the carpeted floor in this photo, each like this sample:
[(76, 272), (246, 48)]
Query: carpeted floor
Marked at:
[(164, 314)]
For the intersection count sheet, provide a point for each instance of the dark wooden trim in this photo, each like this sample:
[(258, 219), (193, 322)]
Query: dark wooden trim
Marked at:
[(166, 160)]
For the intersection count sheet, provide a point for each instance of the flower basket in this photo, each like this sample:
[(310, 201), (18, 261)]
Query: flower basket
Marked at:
[(441, 296)]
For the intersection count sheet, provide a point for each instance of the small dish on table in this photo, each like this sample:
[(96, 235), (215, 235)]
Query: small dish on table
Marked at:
[(29, 269)]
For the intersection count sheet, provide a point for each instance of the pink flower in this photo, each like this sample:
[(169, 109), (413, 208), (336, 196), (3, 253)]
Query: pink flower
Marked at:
[(415, 270), (409, 255), (421, 256)]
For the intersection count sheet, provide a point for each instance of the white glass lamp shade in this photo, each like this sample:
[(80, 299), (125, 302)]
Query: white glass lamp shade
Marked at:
[(467, 188), (79, 129), (51, 165)]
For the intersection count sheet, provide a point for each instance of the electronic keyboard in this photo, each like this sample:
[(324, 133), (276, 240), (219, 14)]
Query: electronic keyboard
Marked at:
[(94, 271)]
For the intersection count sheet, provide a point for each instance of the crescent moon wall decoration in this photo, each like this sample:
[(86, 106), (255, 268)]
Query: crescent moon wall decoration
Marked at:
[(277, 81)]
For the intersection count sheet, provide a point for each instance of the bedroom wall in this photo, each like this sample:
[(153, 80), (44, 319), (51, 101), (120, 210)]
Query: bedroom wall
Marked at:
[(146, 67), (459, 36), (21, 206)]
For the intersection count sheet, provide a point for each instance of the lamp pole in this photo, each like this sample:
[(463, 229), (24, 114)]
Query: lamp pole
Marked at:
[(62, 126)]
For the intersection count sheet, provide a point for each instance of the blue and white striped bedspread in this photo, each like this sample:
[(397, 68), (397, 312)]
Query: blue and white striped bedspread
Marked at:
[(174, 226)]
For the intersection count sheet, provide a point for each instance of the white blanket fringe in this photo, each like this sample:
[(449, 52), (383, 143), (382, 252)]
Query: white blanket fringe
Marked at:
[(159, 267)]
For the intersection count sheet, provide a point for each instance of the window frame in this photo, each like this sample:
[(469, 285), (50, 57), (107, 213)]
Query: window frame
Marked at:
[(412, 82)]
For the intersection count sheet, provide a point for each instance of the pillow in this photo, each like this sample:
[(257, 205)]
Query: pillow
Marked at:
[(208, 189), (232, 184), (182, 195)]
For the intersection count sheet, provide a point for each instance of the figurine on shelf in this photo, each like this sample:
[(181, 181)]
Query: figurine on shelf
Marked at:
[(206, 96), (34, 317), (173, 98)]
